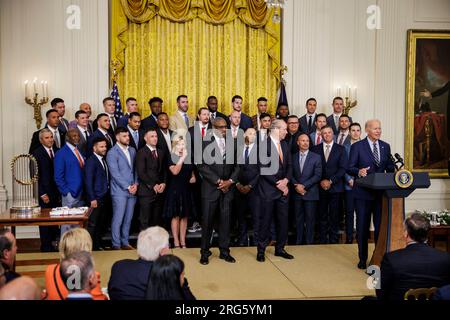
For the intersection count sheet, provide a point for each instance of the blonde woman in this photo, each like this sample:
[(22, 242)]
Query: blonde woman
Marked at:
[(179, 204), (74, 240)]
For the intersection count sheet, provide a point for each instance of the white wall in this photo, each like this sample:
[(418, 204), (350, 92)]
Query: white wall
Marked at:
[(34, 41), (326, 43)]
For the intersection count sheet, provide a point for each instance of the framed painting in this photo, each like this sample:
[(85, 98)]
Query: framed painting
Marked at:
[(427, 133)]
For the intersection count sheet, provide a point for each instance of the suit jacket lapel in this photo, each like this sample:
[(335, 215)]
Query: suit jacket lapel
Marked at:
[(122, 153)]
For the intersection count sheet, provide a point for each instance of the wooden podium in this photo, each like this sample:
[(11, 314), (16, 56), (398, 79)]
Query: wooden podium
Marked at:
[(391, 236)]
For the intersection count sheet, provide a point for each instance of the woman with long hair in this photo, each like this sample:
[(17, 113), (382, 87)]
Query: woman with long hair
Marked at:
[(179, 203), (167, 281)]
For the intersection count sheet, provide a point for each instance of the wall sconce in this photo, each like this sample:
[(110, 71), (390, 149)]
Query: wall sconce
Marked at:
[(350, 97), (32, 98)]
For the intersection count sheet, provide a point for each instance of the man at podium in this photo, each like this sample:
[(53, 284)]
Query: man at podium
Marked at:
[(370, 155)]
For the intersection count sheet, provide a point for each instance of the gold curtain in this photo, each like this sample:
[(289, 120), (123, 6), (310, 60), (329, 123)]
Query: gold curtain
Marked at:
[(198, 48)]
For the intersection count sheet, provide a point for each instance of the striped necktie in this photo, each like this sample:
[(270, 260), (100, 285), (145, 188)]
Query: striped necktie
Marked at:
[(376, 154)]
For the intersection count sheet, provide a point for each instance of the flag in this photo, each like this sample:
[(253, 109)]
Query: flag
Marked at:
[(115, 95), (282, 97)]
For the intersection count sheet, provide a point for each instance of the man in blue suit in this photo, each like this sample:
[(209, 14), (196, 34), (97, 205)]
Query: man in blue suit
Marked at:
[(132, 106), (333, 119), (370, 155), (96, 178), (69, 164), (135, 132), (306, 174), (120, 160), (273, 189), (246, 121), (334, 166), (49, 196)]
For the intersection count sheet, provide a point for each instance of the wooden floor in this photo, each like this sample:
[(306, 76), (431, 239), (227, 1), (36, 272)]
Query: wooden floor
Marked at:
[(317, 272)]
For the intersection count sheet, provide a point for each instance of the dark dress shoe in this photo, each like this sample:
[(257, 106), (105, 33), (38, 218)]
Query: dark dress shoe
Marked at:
[(204, 259), (284, 255), (127, 247), (227, 258), (115, 248), (260, 257), (362, 265)]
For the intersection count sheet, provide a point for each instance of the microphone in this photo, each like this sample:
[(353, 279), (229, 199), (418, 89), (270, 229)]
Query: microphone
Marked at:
[(400, 160), (393, 161)]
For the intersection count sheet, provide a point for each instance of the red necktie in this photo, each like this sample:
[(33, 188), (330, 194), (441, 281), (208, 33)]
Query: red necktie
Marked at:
[(203, 132), (51, 154), (318, 139), (155, 156)]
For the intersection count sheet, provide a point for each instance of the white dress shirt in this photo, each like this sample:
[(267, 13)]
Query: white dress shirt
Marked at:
[(167, 138), (127, 153), (56, 136)]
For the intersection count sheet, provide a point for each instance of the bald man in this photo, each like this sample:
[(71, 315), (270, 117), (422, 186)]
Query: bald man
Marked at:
[(370, 155), (86, 107), (23, 288)]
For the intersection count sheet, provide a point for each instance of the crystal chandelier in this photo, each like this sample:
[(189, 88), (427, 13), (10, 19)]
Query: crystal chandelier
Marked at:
[(277, 5)]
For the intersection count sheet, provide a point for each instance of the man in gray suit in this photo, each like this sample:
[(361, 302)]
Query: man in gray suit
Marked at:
[(124, 186), (306, 174)]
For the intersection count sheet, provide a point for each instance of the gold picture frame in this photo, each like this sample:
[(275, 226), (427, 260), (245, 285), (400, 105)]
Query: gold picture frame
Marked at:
[(427, 128)]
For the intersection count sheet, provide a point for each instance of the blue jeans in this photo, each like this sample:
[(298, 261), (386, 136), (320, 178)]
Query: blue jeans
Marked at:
[(123, 208), (71, 202)]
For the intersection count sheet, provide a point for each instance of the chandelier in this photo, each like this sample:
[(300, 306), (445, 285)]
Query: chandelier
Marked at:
[(277, 5)]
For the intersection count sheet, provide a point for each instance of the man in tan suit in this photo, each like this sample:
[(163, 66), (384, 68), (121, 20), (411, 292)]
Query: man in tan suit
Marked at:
[(180, 121)]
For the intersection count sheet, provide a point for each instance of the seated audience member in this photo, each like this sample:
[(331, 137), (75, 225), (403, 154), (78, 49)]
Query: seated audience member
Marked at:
[(74, 240), (8, 250), (416, 266), (79, 264), (129, 278), (442, 293), (167, 281), (2, 276), (23, 288)]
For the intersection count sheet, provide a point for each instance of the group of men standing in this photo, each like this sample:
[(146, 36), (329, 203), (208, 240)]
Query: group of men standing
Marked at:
[(307, 166)]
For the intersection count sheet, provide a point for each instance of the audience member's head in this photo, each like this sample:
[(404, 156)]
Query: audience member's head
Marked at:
[(355, 131), (22, 288), (262, 105), (166, 279), (417, 227), (74, 240), (100, 146), (183, 103), (59, 106), (152, 243), (179, 145), (46, 138), (8, 248), (52, 118), (155, 104), (132, 105), (163, 121), (109, 105), (77, 272), (278, 129), (86, 107), (212, 103)]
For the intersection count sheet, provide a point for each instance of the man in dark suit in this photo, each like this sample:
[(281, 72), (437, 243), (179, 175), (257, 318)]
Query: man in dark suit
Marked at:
[(86, 275), (416, 266), (60, 107), (219, 172), (151, 121), (164, 133), (86, 107), (246, 121), (53, 122), (333, 119), (109, 106), (273, 189), (236, 125), (306, 175), (132, 106), (129, 278), (265, 121), (212, 107), (316, 136), (83, 130), (103, 131), (135, 131), (294, 131), (246, 187), (343, 138), (49, 196), (96, 181), (370, 155), (152, 176), (307, 121), (334, 165), (262, 108), (195, 144)]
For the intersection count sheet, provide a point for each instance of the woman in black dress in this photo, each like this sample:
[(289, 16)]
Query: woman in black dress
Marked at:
[(179, 204)]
